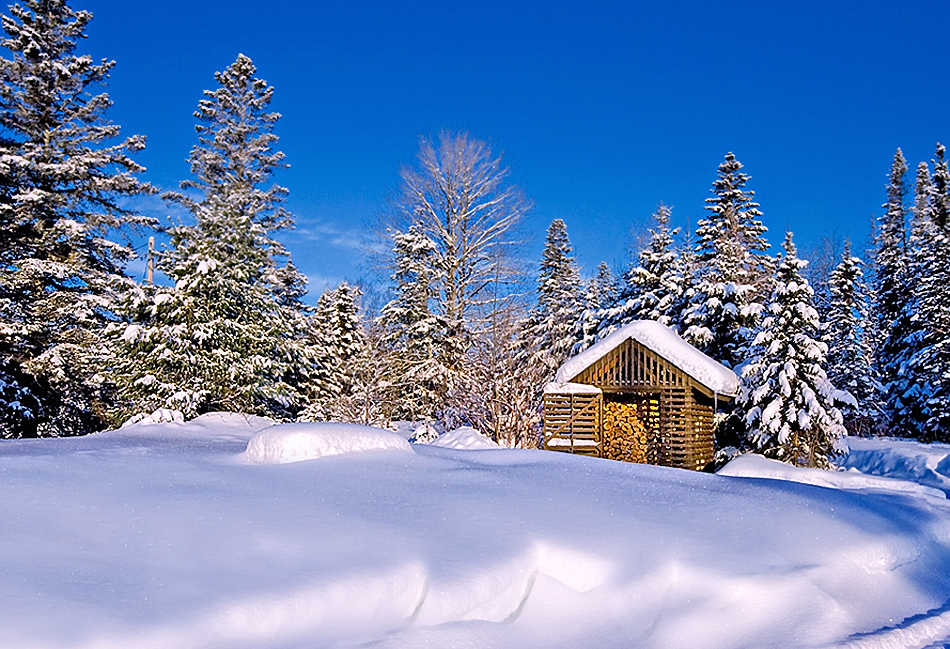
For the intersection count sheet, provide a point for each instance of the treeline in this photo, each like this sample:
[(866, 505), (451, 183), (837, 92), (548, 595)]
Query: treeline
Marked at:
[(459, 340)]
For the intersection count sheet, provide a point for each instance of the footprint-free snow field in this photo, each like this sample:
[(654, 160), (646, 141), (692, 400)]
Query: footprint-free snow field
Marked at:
[(185, 535)]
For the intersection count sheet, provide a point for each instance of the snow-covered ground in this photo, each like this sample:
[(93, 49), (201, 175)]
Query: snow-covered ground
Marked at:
[(179, 535)]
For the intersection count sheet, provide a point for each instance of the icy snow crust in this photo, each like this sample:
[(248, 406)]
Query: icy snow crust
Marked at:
[(307, 441), (160, 535), (664, 341)]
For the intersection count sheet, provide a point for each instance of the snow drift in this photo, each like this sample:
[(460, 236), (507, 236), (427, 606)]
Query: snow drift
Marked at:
[(154, 536), (285, 443), (465, 437)]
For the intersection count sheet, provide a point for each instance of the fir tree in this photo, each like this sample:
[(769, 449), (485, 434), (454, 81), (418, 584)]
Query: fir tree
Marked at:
[(890, 275), (926, 363), (228, 334), (941, 189), (62, 174), (554, 324), (413, 336), (849, 360), (732, 270), (338, 344), (789, 403), (908, 390)]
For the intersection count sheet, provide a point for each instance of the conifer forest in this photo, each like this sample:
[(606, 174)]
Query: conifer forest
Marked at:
[(854, 341)]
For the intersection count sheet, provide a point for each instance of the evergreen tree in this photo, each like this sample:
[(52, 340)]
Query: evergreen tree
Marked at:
[(339, 346), (788, 401), (732, 271), (555, 322), (605, 286), (849, 360), (602, 293), (928, 366), (62, 175), (229, 334), (909, 390), (941, 189), (890, 291), (413, 336)]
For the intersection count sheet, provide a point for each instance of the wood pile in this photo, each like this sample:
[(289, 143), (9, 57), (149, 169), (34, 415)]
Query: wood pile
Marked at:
[(625, 436)]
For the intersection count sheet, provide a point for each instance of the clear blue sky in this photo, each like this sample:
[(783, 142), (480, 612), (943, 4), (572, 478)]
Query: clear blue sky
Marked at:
[(602, 111)]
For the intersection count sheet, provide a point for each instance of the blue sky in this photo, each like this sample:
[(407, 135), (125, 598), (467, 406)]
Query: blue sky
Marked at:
[(602, 111)]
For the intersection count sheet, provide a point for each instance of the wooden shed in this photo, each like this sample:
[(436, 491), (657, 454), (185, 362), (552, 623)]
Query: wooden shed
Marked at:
[(642, 394)]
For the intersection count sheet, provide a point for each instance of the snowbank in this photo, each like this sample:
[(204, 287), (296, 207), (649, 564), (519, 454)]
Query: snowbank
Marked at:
[(154, 537), (664, 341), (466, 438), (286, 443), (751, 465), (927, 464)]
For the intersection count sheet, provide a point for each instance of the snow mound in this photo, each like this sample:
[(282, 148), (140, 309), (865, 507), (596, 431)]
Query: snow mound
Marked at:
[(286, 443), (466, 438), (160, 416), (664, 341), (751, 465), (926, 464)]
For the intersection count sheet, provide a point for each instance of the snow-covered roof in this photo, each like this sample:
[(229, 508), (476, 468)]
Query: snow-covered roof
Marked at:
[(571, 388), (663, 341)]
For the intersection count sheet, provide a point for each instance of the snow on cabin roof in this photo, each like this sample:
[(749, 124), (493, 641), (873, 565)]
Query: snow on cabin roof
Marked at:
[(571, 388), (663, 341)]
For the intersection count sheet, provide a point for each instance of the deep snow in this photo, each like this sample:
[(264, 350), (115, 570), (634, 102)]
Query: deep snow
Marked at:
[(162, 535)]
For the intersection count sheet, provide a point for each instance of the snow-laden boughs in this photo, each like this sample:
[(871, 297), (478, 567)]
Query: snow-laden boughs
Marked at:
[(63, 171), (891, 292), (656, 286), (230, 333), (339, 346), (733, 271), (552, 329), (924, 371), (850, 361), (414, 337), (788, 402)]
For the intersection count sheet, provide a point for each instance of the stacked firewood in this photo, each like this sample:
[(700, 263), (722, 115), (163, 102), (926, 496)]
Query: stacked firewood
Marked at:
[(625, 436)]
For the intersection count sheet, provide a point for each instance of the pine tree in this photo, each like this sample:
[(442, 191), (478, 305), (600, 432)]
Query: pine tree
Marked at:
[(228, 335), (732, 272), (849, 360), (890, 292), (62, 175), (789, 403)]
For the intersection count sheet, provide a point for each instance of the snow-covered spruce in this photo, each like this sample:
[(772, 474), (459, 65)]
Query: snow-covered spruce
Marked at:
[(656, 287), (788, 403), (59, 202), (849, 359), (552, 329), (413, 335), (733, 272), (230, 333)]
